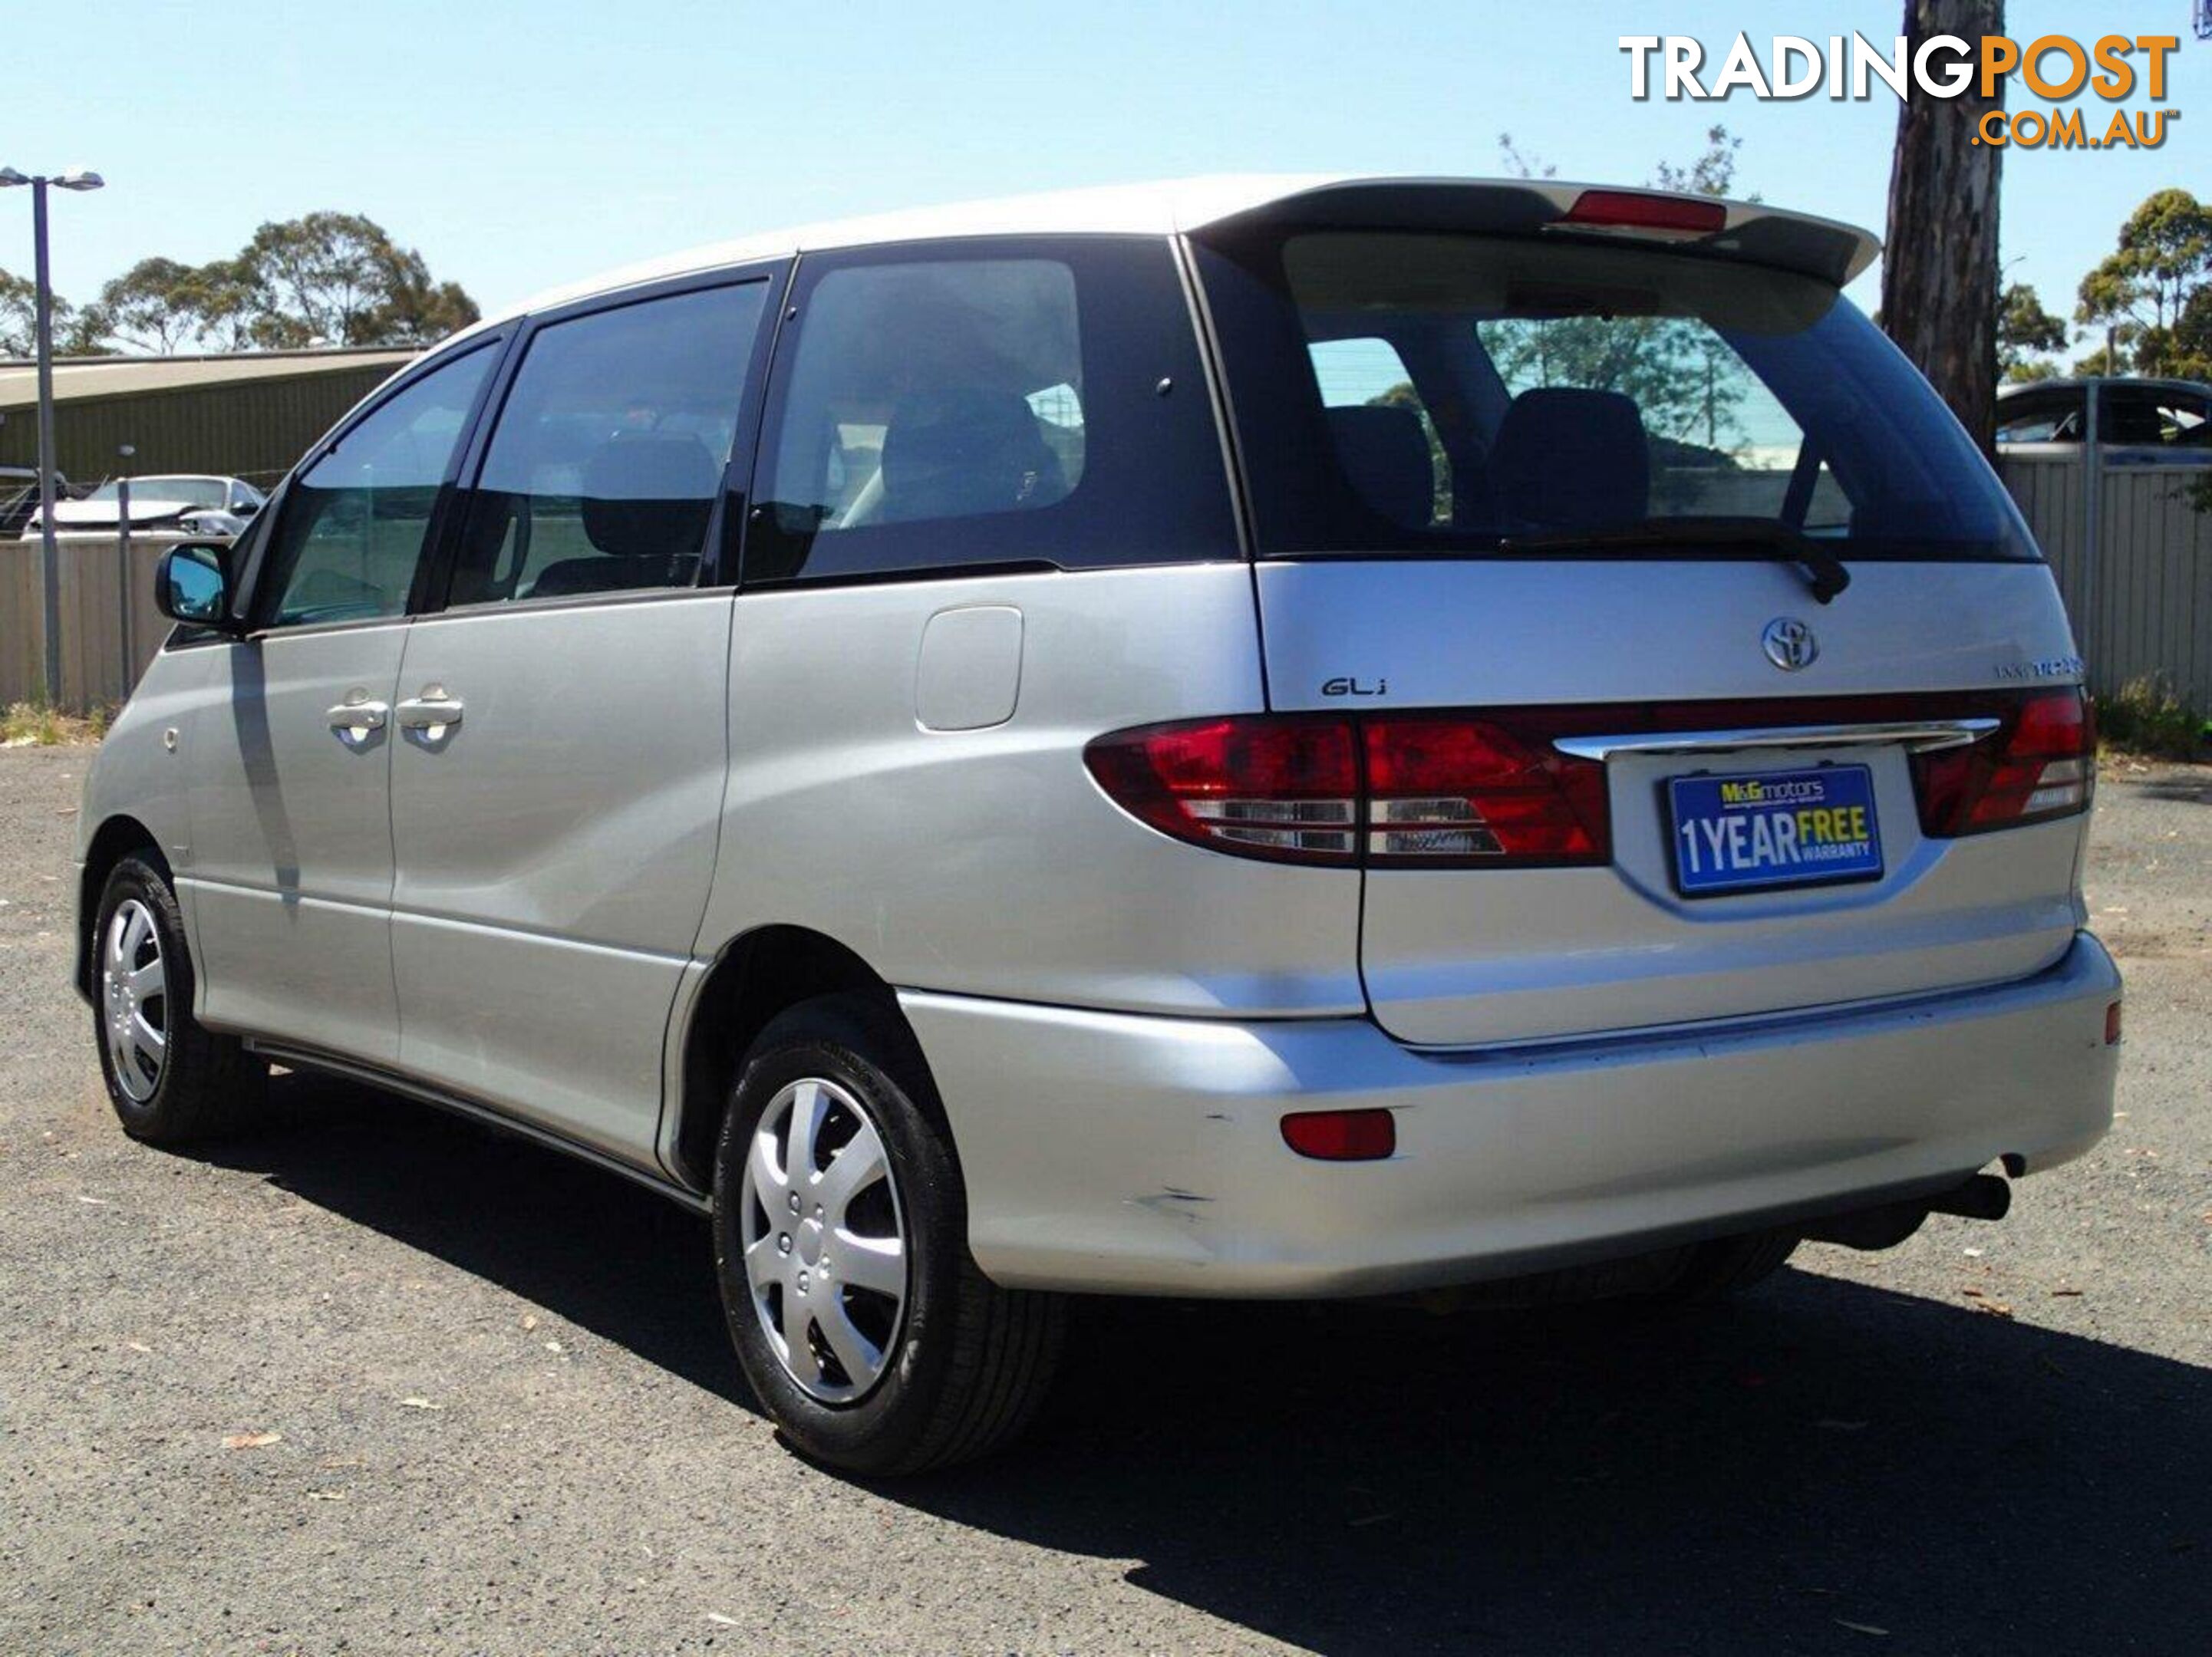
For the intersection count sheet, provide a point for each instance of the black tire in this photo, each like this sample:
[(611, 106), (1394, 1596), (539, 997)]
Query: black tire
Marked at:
[(1730, 1265), (208, 1085), (970, 1363)]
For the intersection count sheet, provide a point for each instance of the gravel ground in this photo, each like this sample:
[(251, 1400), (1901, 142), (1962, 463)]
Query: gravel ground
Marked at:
[(501, 1416)]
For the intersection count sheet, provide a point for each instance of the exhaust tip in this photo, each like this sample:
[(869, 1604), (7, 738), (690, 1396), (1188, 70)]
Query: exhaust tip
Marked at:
[(1982, 1197)]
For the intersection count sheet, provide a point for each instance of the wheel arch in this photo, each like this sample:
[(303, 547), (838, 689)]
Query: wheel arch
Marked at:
[(114, 839), (757, 975)]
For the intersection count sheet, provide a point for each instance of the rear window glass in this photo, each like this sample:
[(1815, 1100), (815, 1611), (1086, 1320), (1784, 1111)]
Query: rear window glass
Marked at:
[(1018, 402), (1400, 391)]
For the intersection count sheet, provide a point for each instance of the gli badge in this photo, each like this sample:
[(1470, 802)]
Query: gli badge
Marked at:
[(1789, 643)]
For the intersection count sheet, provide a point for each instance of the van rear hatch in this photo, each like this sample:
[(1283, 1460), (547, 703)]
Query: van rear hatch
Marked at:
[(1695, 663)]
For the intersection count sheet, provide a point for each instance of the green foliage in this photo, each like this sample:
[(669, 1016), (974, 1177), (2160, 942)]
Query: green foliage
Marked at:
[(1519, 164), (76, 333), (18, 315), (2144, 292), (328, 278), (145, 308), (1683, 378), (2025, 328), (339, 278), (159, 305), (1710, 172), (2102, 360), (2192, 342), (2145, 717), (34, 725)]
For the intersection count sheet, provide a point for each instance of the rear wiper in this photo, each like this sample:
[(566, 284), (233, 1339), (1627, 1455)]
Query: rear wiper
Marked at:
[(1823, 572)]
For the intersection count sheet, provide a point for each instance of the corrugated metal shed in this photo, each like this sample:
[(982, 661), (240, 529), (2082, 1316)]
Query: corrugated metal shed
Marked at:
[(246, 416)]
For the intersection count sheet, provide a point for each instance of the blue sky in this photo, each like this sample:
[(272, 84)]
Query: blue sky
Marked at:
[(524, 149)]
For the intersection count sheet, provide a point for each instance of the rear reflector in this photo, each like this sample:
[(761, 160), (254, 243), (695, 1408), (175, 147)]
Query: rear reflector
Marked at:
[(2113, 1025), (1438, 790), (1341, 1136), (1667, 217), (2039, 763)]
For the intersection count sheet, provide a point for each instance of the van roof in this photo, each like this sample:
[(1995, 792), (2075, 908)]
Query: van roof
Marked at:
[(1753, 231)]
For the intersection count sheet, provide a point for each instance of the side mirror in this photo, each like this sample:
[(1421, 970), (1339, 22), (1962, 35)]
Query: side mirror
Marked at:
[(247, 508), (189, 586)]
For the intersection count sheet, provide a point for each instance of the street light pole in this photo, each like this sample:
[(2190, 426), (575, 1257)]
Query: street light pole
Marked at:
[(49, 554), (49, 551)]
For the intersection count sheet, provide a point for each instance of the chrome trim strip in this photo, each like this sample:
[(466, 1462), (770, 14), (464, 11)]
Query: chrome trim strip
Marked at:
[(1919, 736)]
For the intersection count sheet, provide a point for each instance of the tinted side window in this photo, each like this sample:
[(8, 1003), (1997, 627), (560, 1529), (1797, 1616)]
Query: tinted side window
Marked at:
[(1024, 401), (609, 451), (354, 523), (2042, 417), (2161, 416)]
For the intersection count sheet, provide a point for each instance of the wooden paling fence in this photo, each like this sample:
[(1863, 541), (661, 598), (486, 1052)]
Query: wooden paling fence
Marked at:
[(2133, 556), (110, 628)]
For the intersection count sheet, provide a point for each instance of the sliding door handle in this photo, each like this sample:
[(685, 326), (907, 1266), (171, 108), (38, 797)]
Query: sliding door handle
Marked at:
[(355, 721), (434, 713)]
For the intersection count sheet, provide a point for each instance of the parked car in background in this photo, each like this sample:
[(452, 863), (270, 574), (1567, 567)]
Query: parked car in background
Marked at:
[(1181, 741), (2163, 418), (19, 497), (215, 508)]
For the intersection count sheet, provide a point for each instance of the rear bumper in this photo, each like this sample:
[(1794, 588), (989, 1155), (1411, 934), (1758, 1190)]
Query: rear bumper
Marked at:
[(1120, 1153)]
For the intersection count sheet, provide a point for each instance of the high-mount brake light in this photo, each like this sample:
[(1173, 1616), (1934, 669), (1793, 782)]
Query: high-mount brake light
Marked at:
[(1388, 791), (1667, 217), (2040, 763)]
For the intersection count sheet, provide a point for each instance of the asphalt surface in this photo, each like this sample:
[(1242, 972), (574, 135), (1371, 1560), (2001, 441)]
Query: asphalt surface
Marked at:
[(502, 1418)]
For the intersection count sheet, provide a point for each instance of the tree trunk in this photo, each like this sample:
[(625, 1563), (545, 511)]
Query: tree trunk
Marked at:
[(1939, 273)]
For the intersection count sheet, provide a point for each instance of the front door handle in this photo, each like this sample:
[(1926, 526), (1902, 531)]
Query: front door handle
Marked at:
[(434, 713), (354, 721)]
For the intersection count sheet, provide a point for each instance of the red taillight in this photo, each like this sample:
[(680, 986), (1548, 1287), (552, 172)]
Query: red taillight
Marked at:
[(2039, 763), (2113, 1025), (1284, 788), (1449, 790), (1490, 789), (1341, 1136), (1439, 791), (1633, 211)]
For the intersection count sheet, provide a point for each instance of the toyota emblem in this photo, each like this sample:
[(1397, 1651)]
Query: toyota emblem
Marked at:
[(1789, 644)]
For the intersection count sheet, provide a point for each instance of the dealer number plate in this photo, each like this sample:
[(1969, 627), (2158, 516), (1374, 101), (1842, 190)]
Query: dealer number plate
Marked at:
[(1774, 829)]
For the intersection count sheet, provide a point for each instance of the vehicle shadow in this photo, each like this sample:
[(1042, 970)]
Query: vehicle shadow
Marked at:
[(2181, 793), (1788, 1473)]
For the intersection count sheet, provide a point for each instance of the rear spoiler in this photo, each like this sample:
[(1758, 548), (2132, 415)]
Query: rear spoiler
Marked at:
[(1826, 249)]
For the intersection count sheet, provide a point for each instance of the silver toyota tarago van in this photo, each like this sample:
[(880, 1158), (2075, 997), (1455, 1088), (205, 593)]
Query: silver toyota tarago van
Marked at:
[(1257, 738)]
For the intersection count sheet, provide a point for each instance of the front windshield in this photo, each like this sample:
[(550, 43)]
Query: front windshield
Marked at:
[(183, 491), (1402, 392)]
